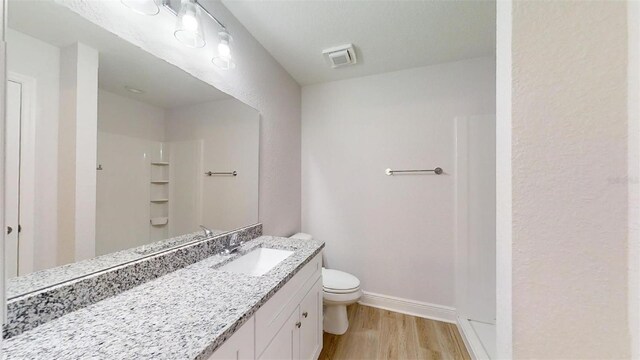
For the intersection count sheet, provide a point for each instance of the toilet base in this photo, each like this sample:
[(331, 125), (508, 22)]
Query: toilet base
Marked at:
[(335, 319)]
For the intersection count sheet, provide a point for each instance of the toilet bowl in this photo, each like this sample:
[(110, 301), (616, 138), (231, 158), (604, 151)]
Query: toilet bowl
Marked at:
[(340, 289)]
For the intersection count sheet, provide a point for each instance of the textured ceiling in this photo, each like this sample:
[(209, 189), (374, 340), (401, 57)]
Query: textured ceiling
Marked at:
[(388, 35), (121, 63)]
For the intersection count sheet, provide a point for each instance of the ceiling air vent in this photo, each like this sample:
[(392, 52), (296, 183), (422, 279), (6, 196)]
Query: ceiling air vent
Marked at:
[(340, 55)]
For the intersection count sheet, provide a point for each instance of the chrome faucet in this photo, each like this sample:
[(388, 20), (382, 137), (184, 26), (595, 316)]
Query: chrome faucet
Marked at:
[(207, 232), (233, 246)]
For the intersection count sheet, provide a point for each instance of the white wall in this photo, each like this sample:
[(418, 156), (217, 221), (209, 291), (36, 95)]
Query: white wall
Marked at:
[(634, 176), (130, 136), (229, 132), (569, 179), (36, 59), (77, 149), (125, 116), (395, 233), (86, 150), (258, 81), (504, 313), (186, 176)]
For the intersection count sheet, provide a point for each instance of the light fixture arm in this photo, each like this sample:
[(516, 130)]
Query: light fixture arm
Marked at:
[(167, 5), (211, 16)]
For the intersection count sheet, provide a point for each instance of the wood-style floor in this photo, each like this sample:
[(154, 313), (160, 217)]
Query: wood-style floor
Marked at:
[(381, 334)]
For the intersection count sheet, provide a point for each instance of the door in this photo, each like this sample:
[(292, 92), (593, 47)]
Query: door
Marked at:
[(286, 344), (19, 175), (311, 323), (12, 177)]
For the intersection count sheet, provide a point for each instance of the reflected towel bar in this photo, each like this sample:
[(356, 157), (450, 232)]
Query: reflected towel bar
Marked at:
[(437, 171), (210, 173)]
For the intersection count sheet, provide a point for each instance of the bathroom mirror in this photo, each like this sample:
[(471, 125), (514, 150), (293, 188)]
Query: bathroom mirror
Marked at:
[(112, 154)]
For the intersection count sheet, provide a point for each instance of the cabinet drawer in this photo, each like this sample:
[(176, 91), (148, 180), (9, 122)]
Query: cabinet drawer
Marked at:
[(275, 312)]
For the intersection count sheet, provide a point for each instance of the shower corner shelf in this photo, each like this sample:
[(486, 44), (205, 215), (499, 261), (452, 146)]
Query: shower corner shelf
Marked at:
[(160, 163), (159, 221), (159, 200)]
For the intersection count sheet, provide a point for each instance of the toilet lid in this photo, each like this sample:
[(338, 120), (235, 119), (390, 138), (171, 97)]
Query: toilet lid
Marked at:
[(338, 280), (302, 236)]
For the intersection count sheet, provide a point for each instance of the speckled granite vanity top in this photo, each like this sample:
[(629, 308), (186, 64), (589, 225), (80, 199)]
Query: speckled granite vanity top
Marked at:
[(37, 280), (186, 314)]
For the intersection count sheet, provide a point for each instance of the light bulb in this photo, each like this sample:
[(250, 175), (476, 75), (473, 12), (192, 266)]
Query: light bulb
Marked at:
[(223, 59), (144, 7), (223, 49), (188, 29), (190, 23)]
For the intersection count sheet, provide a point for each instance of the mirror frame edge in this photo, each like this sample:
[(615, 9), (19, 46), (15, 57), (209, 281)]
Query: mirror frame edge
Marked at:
[(3, 85)]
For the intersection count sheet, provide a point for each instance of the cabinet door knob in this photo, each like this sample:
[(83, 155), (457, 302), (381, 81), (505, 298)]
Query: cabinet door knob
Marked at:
[(305, 314), (9, 230), (298, 324)]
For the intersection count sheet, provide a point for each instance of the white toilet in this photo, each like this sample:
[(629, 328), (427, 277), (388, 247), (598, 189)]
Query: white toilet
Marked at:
[(339, 290)]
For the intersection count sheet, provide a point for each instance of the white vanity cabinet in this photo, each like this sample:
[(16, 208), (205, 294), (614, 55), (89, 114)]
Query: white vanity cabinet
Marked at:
[(288, 326), (301, 335), (311, 323), (240, 346), (285, 345)]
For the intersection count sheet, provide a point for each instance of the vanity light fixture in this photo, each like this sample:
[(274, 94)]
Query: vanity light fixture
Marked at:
[(188, 27), (223, 47), (223, 59), (144, 7)]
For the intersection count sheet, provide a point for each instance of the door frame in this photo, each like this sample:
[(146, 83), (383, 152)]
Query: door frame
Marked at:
[(26, 246)]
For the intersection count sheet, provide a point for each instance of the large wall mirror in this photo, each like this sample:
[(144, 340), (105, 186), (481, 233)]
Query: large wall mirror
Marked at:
[(112, 153)]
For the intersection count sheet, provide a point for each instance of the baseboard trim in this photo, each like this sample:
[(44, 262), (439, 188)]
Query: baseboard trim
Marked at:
[(409, 307), (471, 340)]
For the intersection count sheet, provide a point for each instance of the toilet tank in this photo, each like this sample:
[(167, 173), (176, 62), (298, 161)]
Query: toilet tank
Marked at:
[(302, 236)]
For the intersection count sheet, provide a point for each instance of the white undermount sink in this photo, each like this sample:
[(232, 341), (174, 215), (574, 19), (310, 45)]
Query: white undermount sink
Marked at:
[(257, 262)]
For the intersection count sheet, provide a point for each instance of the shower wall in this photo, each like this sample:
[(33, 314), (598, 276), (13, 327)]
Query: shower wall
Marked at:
[(230, 143), (153, 162), (476, 232), (130, 135)]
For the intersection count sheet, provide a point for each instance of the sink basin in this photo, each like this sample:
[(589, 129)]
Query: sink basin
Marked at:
[(257, 262)]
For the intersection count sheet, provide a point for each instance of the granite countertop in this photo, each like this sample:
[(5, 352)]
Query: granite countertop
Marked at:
[(186, 314), (24, 284)]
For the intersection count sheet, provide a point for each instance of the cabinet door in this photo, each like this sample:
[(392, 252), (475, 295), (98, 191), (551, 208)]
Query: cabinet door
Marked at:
[(274, 313), (311, 320), (286, 344), (240, 346)]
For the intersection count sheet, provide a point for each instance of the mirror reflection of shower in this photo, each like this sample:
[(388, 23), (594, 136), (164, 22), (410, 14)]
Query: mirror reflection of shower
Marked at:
[(108, 146)]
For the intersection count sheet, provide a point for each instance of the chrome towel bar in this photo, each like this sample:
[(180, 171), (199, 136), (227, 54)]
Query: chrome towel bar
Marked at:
[(211, 173), (437, 171)]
